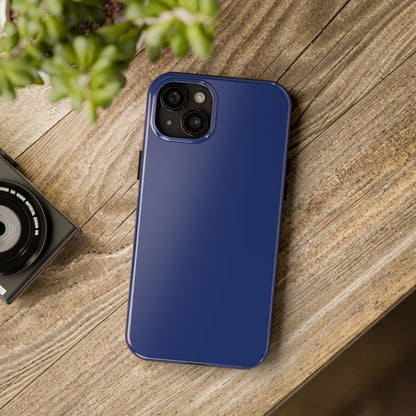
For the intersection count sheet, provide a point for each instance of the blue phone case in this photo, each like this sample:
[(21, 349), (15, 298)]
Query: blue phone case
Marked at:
[(207, 230)]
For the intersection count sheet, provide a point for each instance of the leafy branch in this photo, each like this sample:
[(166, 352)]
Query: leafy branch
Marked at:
[(84, 46)]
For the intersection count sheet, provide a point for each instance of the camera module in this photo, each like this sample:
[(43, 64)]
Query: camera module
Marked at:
[(173, 97), (184, 111)]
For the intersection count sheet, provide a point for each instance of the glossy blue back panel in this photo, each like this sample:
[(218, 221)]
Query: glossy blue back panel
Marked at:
[(207, 231)]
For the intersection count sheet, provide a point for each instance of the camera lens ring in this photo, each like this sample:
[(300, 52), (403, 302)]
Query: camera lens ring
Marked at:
[(173, 97), (25, 228), (10, 228), (195, 123)]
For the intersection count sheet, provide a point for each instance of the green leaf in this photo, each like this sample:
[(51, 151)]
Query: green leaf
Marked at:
[(100, 79), (198, 39), (104, 96), (85, 50), (111, 33), (55, 29), (56, 95), (169, 3), (191, 5), (34, 52), (60, 87), (18, 76), (127, 44), (153, 53), (92, 113), (9, 29), (155, 39), (77, 98), (153, 9), (106, 59), (134, 11), (7, 43), (65, 52), (6, 88), (178, 43), (34, 28), (55, 7), (208, 7)]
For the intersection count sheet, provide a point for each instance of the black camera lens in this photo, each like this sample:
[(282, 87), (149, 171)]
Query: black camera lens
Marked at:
[(23, 228), (173, 97), (2, 228), (195, 123), (10, 228)]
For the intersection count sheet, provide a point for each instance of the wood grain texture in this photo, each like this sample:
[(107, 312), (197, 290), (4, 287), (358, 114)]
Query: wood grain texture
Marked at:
[(373, 377), (348, 246), (27, 118)]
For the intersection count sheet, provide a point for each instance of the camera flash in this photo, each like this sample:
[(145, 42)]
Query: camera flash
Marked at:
[(169, 122), (199, 97)]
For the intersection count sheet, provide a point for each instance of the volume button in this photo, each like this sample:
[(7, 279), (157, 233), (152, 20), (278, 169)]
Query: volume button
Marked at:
[(140, 165)]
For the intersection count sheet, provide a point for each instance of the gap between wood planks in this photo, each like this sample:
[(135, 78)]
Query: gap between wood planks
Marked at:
[(301, 244), (326, 84), (309, 44), (351, 106)]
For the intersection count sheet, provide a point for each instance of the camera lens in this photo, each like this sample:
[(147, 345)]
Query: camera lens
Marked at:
[(195, 123), (10, 228), (173, 97), (23, 228), (2, 228)]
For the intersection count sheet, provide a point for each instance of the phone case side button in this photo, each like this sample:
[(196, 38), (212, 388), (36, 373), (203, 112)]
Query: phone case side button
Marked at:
[(140, 164)]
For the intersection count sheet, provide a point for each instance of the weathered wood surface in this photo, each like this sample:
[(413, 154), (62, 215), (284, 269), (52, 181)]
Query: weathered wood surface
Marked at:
[(348, 245)]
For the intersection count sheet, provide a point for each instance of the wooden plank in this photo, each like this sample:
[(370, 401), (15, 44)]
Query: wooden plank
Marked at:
[(338, 272), (363, 44), (257, 34), (365, 372), (25, 120)]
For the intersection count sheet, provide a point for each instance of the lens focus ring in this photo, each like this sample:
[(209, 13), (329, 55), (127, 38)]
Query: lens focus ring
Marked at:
[(195, 123), (173, 97)]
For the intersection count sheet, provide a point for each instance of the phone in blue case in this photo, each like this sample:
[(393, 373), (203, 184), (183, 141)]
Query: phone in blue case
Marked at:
[(212, 182)]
